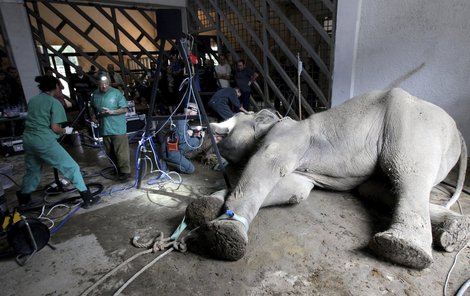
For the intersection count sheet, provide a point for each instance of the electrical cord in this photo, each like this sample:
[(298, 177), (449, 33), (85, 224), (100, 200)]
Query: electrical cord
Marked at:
[(44, 216), (450, 271), (11, 179), (466, 285), (62, 223), (98, 189), (108, 173), (19, 186)]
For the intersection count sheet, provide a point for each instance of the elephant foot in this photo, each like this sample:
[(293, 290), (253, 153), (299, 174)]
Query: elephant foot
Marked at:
[(226, 239), (399, 250), (452, 234), (203, 210)]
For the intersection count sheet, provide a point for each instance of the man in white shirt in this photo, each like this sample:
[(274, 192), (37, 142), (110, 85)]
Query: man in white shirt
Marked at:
[(223, 72)]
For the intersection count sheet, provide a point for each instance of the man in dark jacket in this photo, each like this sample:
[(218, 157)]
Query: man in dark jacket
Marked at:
[(225, 102)]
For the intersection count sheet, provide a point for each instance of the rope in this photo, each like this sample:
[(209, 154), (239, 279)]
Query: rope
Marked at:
[(101, 280), (159, 243), (129, 281)]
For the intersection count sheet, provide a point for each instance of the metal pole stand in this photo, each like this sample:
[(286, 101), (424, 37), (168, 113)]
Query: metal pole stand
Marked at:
[(151, 118)]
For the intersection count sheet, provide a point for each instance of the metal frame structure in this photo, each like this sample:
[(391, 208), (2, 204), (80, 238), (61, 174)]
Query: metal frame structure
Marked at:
[(270, 34), (63, 29)]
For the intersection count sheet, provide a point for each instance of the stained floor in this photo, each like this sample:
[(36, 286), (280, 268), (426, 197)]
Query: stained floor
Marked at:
[(318, 247)]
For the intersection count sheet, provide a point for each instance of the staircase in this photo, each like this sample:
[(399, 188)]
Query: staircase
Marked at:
[(278, 39)]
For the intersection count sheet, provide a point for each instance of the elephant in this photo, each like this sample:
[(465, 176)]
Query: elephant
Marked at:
[(389, 140)]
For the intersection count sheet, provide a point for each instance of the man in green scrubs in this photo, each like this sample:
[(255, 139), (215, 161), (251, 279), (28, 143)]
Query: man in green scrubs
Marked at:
[(42, 129), (110, 107)]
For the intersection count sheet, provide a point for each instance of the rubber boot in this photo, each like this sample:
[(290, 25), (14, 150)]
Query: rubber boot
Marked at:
[(88, 199), (23, 198)]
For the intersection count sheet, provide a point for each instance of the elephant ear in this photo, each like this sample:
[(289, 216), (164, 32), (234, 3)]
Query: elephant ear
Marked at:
[(263, 122)]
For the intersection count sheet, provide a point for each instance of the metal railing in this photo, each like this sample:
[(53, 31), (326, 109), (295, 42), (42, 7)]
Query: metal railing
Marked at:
[(276, 38)]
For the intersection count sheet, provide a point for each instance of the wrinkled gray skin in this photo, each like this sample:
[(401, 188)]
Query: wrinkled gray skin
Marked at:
[(410, 143)]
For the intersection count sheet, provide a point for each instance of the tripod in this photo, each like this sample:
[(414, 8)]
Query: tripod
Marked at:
[(182, 48), (83, 103)]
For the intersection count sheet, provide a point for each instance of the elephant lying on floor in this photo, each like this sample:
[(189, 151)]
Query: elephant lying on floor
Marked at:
[(385, 138)]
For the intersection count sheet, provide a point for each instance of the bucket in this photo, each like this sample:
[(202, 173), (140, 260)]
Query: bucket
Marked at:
[(6, 169), (75, 138)]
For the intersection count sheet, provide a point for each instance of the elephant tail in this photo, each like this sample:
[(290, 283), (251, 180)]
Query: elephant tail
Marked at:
[(461, 173)]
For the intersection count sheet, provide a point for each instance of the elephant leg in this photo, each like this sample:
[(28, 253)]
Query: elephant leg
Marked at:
[(290, 190), (450, 230), (228, 239), (205, 209), (408, 241), (411, 169)]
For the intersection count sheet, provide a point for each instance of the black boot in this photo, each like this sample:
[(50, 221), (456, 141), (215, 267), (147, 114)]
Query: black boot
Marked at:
[(23, 198), (88, 199)]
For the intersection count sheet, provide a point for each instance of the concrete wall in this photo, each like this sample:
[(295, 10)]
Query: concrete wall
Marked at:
[(21, 44), (420, 45)]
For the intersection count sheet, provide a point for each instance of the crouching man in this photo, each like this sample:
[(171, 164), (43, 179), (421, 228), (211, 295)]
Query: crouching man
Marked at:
[(181, 140)]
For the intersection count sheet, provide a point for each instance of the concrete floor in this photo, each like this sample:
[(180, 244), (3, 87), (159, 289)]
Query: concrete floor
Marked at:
[(316, 248)]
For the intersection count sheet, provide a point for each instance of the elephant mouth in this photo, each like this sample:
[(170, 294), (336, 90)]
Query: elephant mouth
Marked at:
[(218, 138)]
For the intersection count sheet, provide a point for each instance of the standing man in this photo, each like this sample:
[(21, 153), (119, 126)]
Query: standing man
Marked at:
[(17, 95), (152, 73), (223, 72), (110, 107), (225, 102), (244, 77), (115, 79), (82, 86)]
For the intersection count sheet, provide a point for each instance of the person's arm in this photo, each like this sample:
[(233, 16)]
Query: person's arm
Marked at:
[(253, 78), (121, 107), (58, 116), (56, 128), (195, 137), (225, 76), (107, 111)]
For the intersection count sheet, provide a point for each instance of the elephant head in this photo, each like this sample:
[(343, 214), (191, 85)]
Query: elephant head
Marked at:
[(238, 136)]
